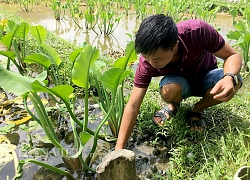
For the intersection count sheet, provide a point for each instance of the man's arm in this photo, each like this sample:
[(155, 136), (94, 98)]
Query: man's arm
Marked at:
[(224, 89), (129, 116)]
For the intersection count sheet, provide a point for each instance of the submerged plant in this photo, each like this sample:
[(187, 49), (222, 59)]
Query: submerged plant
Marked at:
[(25, 5), (107, 21), (56, 7)]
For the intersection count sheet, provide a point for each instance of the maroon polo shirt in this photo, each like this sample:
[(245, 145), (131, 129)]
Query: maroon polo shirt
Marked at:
[(197, 41)]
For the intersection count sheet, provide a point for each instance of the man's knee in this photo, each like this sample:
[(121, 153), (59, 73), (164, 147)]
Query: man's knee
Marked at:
[(171, 92)]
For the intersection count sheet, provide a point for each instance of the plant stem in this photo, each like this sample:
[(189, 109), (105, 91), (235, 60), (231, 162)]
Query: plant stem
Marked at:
[(55, 169)]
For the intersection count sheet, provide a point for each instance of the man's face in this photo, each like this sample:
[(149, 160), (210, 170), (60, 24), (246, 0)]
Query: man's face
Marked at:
[(160, 58)]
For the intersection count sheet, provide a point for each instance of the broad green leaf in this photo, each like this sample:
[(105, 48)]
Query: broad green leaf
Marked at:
[(85, 137), (39, 33), (240, 41), (22, 30), (248, 64), (16, 83), (8, 38), (241, 26), (233, 35), (130, 56), (9, 54), (247, 38), (11, 24), (97, 68), (89, 18), (246, 14), (112, 78), (62, 91), (54, 56), (38, 58), (100, 64), (233, 11), (103, 15), (80, 71), (130, 52), (120, 63), (41, 77), (75, 54)]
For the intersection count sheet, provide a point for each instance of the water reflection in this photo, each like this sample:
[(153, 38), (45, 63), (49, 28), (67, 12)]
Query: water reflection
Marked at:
[(68, 30)]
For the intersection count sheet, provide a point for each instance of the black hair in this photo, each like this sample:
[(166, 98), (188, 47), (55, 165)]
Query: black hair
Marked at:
[(157, 31)]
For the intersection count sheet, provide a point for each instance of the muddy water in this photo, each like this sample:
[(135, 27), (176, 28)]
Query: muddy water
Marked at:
[(67, 29)]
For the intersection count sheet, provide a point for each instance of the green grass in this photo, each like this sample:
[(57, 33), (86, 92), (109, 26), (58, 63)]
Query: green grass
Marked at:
[(218, 151)]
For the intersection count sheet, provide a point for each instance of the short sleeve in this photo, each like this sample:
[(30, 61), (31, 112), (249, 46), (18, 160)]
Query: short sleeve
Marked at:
[(142, 77), (209, 38)]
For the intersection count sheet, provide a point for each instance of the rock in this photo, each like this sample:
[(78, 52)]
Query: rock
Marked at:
[(140, 138), (69, 138), (131, 139), (13, 137), (146, 136), (146, 143), (153, 168), (47, 174), (148, 175), (156, 152), (145, 159)]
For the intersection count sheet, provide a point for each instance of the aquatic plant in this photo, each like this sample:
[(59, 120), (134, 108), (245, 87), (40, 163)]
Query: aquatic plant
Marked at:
[(76, 14), (56, 7), (107, 22), (110, 87), (83, 60), (29, 88), (241, 34), (26, 5), (15, 42)]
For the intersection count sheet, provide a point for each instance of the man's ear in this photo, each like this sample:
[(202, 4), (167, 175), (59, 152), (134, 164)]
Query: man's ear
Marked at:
[(176, 45)]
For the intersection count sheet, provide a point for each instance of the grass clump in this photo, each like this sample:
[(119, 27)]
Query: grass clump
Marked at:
[(215, 153)]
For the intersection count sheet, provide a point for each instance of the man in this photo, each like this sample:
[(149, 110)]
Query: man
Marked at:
[(185, 54)]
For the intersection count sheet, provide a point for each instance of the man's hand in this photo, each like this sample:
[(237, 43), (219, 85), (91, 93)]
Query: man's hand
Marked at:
[(224, 90), (117, 147)]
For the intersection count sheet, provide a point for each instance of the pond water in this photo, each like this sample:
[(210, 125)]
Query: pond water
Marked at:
[(68, 31)]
